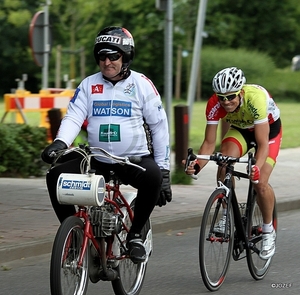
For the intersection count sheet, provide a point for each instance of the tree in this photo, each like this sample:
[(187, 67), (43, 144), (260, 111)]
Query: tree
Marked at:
[(15, 56), (268, 26)]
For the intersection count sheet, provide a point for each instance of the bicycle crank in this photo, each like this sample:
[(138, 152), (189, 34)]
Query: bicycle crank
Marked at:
[(108, 275)]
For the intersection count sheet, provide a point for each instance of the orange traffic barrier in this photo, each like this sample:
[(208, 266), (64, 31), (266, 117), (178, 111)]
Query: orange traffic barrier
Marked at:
[(24, 101)]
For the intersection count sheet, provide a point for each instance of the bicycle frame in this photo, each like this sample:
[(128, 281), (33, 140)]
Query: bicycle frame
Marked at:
[(240, 221), (113, 193)]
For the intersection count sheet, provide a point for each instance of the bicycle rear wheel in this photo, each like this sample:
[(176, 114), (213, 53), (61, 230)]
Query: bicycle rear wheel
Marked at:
[(65, 275), (258, 267), (131, 275), (215, 249)]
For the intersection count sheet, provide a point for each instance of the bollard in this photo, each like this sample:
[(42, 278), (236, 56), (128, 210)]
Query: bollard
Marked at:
[(54, 116), (181, 133)]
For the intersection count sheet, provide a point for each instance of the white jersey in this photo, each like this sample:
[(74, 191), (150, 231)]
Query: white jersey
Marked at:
[(116, 115)]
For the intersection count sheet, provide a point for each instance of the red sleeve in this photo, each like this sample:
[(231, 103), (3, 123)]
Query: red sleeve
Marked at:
[(214, 110), (84, 125)]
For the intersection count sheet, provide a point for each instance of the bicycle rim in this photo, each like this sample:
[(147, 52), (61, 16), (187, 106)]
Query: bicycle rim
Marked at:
[(214, 249), (258, 267), (131, 275), (66, 277)]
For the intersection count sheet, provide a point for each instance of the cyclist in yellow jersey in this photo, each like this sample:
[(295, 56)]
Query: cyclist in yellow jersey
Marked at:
[(254, 118)]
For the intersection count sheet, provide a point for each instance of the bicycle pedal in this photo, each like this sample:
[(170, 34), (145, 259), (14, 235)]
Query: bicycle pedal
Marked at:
[(109, 275), (94, 273), (113, 263)]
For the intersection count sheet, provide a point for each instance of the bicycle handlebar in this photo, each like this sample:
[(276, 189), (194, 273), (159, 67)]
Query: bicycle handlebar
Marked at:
[(219, 159), (88, 152)]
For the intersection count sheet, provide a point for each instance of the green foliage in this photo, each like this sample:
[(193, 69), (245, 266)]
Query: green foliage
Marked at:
[(20, 150), (270, 27), (258, 67), (179, 176), (15, 56), (255, 65), (283, 84), (267, 26), (289, 113)]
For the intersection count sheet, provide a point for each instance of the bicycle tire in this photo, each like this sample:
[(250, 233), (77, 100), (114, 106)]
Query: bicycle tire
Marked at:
[(65, 276), (131, 275), (258, 267), (214, 251)]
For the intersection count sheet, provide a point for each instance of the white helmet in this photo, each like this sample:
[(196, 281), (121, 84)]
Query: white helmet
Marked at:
[(228, 80)]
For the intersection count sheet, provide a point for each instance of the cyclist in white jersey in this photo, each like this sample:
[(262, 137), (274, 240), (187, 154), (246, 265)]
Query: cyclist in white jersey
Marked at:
[(253, 117), (125, 117)]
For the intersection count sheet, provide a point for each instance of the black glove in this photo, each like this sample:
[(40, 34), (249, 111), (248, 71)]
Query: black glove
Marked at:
[(165, 192), (55, 146)]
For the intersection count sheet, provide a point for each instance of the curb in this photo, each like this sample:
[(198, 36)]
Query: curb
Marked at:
[(178, 222)]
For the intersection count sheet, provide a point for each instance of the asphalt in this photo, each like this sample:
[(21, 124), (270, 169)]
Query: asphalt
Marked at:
[(28, 223)]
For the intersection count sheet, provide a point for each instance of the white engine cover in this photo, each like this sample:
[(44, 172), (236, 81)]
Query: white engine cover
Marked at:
[(81, 189)]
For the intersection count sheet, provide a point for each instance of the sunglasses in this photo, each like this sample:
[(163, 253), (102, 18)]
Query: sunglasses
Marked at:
[(111, 57), (228, 97)]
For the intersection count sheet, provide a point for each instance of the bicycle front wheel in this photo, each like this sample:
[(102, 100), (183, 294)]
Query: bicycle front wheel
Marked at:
[(258, 267), (66, 277), (215, 246), (131, 275)]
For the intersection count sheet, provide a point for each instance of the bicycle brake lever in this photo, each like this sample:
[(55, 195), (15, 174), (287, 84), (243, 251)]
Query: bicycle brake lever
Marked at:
[(129, 162), (53, 154), (190, 157)]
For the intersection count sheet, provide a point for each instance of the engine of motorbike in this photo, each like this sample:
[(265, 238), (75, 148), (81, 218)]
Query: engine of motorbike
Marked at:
[(105, 221)]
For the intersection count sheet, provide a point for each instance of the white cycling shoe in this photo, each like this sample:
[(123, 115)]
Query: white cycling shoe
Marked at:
[(220, 226), (268, 245)]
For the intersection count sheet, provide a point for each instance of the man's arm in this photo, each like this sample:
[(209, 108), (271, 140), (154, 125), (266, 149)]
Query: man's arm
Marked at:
[(207, 148), (209, 142)]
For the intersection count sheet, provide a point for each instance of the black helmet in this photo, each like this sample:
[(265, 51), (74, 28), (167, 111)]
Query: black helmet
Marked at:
[(115, 38)]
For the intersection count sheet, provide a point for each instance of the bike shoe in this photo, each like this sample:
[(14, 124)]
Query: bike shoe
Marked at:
[(136, 249), (268, 245), (219, 228)]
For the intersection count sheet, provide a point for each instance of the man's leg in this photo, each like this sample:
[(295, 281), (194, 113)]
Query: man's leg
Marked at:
[(72, 166), (265, 193), (148, 184), (266, 200)]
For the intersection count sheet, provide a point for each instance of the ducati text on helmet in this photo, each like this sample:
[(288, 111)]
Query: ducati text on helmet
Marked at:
[(228, 80), (114, 40), (117, 39)]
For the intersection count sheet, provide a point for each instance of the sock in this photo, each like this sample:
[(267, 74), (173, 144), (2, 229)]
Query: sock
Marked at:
[(224, 211), (267, 227)]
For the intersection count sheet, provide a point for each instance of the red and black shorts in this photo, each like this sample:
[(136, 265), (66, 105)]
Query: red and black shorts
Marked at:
[(245, 139)]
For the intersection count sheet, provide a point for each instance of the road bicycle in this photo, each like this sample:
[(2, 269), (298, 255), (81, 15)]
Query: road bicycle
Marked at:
[(243, 227), (91, 245)]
